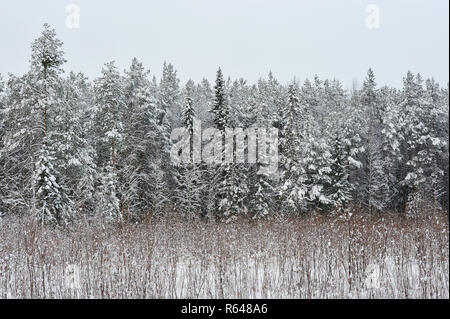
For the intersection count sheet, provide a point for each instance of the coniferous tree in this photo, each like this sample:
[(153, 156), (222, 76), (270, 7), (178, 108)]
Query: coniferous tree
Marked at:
[(317, 149), (220, 182), (107, 201), (38, 102), (140, 137), (293, 190), (52, 203), (262, 183), (168, 106), (109, 108), (189, 188), (75, 156), (340, 190), (373, 184), (238, 189), (422, 146), (70, 149), (2, 133)]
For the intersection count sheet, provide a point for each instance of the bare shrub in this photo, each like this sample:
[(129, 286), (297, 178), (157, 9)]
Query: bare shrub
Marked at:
[(313, 257)]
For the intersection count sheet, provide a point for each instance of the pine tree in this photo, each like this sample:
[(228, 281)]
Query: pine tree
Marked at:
[(109, 107), (140, 137), (43, 83)]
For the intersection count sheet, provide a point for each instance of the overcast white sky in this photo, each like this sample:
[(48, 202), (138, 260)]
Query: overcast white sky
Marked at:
[(247, 38)]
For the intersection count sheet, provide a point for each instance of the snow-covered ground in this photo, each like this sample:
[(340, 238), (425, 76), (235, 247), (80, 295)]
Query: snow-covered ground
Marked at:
[(308, 258)]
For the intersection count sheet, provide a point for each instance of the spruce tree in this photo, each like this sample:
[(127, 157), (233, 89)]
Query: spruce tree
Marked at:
[(292, 188), (373, 183), (340, 191), (220, 183), (189, 179), (169, 109)]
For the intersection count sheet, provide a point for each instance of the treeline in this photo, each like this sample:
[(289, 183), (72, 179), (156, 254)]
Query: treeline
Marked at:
[(71, 148)]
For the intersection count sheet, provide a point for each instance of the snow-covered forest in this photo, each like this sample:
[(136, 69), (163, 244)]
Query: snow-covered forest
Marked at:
[(92, 204), (73, 149)]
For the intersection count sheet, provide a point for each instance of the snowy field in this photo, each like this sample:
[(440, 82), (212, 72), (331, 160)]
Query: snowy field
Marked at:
[(317, 257)]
